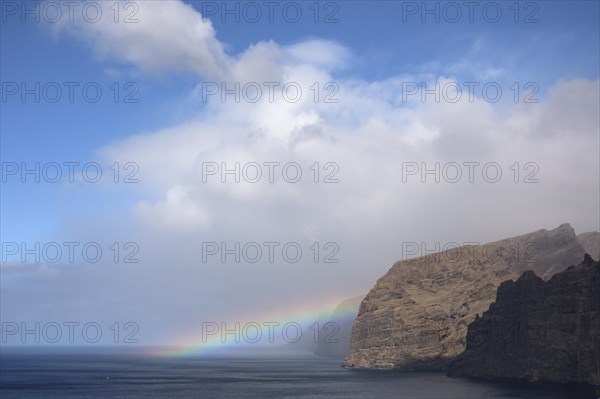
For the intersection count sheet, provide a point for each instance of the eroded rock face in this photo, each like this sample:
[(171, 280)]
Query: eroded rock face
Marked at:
[(417, 315), (538, 330), (591, 243)]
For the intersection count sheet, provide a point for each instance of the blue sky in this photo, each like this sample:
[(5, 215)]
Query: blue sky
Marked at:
[(369, 52)]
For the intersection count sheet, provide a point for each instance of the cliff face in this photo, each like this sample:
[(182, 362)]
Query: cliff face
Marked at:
[(539, 330), (334, 338), (417, 315), (591, 243)]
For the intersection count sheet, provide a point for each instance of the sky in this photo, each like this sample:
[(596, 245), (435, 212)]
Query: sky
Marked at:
[(171, 163)]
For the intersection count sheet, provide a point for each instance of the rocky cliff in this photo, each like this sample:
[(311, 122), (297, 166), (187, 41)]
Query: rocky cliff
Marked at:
[(417, 315), (591, 243), (334, 336), (332, 339), (538, 330)]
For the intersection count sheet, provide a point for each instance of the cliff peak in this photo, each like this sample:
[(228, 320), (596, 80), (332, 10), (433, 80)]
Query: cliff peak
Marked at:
[(528, 276)]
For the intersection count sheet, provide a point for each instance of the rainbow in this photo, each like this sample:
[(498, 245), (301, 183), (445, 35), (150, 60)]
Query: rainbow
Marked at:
[(306, 314)]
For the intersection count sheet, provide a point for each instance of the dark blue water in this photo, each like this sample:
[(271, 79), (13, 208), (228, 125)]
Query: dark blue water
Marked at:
[(127, 376)]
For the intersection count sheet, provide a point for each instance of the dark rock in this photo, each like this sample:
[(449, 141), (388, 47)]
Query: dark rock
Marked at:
[(591, 243), (536, 330)]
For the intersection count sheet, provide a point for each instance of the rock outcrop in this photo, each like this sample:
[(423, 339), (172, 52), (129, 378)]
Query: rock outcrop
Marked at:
[(536, 330), (591, 243), (417, 315)]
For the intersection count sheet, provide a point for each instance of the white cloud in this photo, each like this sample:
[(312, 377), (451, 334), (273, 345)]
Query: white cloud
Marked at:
[(162, 36), (321, 53), (166, 36), (181, 210), (370, 155)]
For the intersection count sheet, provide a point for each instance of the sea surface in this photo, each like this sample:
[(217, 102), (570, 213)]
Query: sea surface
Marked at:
[(128, 376)]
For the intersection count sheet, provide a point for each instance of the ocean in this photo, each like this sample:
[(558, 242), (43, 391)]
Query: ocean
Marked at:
[(55, 375)]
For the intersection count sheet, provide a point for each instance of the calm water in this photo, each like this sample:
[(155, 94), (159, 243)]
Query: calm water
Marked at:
[(112, 376)]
